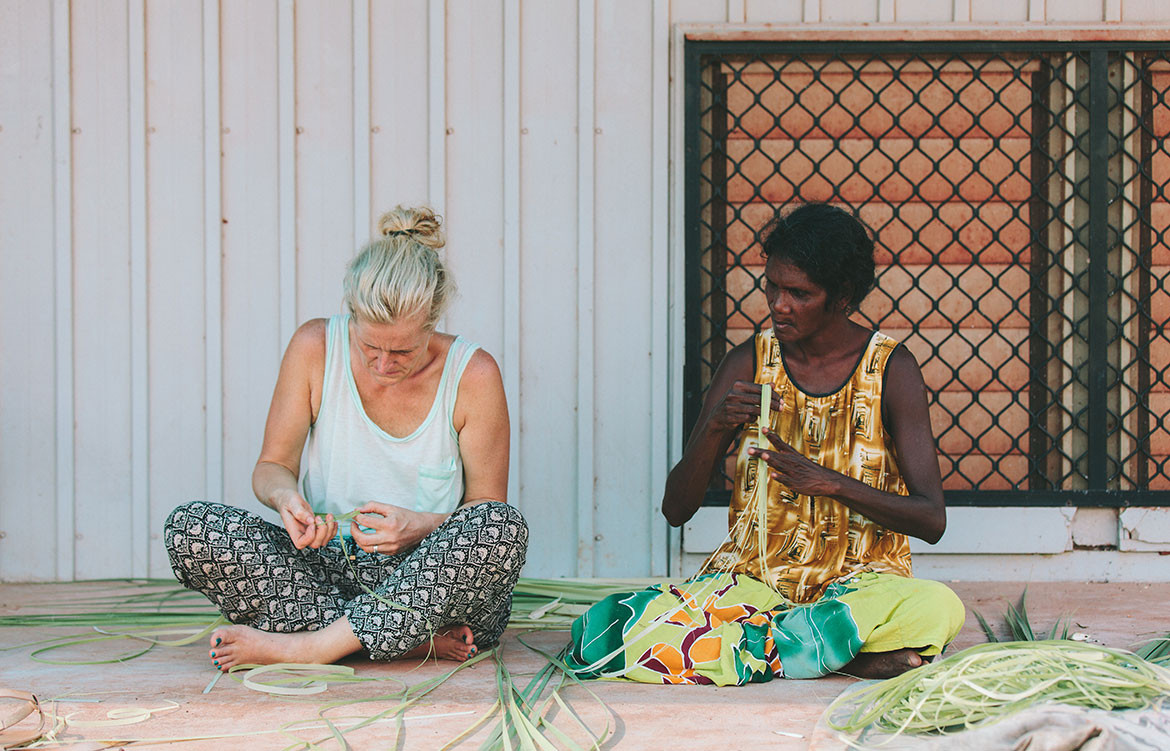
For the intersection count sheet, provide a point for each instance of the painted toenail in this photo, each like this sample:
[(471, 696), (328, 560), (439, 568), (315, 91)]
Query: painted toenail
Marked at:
[(213, 654), (217, 663), (217, 641)]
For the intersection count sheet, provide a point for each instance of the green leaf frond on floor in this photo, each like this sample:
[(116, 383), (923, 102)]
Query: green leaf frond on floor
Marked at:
[(1019, 625), (1156, 650), (150, 609), (989, 682), (141, 615)]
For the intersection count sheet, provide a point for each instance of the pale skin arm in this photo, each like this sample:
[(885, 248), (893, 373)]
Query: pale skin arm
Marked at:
[(294, 403), (481, 420), (922, 513)]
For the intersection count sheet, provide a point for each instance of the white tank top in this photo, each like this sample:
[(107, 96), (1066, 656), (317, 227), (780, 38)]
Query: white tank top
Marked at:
[(351, 460)]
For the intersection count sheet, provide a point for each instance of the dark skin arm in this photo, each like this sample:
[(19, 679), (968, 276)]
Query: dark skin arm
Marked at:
[(922, 513), (731, 400)]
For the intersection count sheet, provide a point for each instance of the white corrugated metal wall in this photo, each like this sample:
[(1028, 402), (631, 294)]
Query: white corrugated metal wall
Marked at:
[(181, 182)]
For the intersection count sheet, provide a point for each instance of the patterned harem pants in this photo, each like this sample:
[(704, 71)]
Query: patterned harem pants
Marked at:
[(462, 573)]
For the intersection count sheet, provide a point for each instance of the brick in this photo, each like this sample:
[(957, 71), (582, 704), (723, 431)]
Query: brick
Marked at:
[(942, 421), (994, 421), (741, 285), (1160, 295), (738, 336), (1160, 117), (1004, 370), (1001, 362), (975, 296), (977, 472), (931, 296), (878, 310), (744, 221), (953, 236), (1160, 357), (895, 301), (1160, 169), (878, 103), (1160, 235), (855, 172), (947, 233), (995, 294), (1160, 412), (951, 232)]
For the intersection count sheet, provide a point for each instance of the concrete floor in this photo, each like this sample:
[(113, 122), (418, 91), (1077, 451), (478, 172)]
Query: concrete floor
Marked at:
[(776, 715)]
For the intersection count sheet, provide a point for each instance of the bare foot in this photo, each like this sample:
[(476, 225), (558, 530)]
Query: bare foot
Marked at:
[(449, 643), (239, 645), (883, 664)]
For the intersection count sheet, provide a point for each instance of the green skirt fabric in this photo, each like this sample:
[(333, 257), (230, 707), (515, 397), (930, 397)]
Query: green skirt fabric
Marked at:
[(730, 629)]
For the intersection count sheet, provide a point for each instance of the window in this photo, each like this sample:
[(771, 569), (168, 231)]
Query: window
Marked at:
[(1020, 197)]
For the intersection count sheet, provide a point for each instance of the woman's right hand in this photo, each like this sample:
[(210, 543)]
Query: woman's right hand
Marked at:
[(304, 527), (741, 404)]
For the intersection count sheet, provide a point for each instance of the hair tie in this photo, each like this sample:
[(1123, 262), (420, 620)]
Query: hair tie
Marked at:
[(397, 232)]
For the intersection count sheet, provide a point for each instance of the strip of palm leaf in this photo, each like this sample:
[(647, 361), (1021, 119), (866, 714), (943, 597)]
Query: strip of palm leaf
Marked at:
[(1156, 650), (1019, 624)]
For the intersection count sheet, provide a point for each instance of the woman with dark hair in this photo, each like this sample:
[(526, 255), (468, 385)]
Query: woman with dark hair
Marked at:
[(814, 576)]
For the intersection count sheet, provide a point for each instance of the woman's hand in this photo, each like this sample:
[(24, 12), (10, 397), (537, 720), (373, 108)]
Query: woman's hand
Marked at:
[(740, 405), (394, 528), (794, 469), (304, 527), (730, 401)]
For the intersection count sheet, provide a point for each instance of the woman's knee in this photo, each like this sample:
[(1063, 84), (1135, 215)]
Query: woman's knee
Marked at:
[(205, 522), (183, 523), (500, 528), (942, 600), (514, 530), (513, 521), (499, 516)]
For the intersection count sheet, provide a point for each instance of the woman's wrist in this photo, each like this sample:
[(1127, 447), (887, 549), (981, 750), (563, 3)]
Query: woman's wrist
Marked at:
[(715, 433), (281, 498), (426, 522)]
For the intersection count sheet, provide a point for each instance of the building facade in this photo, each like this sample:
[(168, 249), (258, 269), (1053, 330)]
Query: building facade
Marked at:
[(181, 184)]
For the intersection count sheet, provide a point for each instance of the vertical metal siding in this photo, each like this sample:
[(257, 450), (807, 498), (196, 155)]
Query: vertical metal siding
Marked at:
[(623, 314), (257, 226), (184, 182), (548, 283), (62, 296), (103, 295), (179, 285), (29, 145)]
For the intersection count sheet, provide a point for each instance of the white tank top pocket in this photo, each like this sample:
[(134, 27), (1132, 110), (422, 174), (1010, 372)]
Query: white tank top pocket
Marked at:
[(351, 460), (436, 485)]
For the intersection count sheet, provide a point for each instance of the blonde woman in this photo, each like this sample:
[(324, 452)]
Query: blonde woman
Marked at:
[(406, 425)]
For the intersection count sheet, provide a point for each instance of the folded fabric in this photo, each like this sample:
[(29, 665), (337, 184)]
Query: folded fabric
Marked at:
[(732, 629)]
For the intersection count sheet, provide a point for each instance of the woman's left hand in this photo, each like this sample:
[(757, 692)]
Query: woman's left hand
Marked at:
[(794, 469), (394, 528)]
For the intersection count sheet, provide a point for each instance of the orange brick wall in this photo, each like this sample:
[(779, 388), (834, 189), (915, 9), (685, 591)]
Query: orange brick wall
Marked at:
[(1159, 401), (958, 171)]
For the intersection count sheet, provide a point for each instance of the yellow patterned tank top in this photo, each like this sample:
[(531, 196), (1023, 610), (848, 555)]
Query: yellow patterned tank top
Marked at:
[(814, 540)]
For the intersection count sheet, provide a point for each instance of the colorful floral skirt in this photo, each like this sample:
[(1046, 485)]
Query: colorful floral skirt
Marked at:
[(731, 629)]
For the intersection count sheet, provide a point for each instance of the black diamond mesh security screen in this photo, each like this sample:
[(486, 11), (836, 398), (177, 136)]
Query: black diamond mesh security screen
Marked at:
[(1020, 198)]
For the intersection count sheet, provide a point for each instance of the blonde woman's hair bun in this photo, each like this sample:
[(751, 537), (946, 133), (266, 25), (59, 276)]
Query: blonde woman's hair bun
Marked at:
[(418, 223), (399, 273)]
